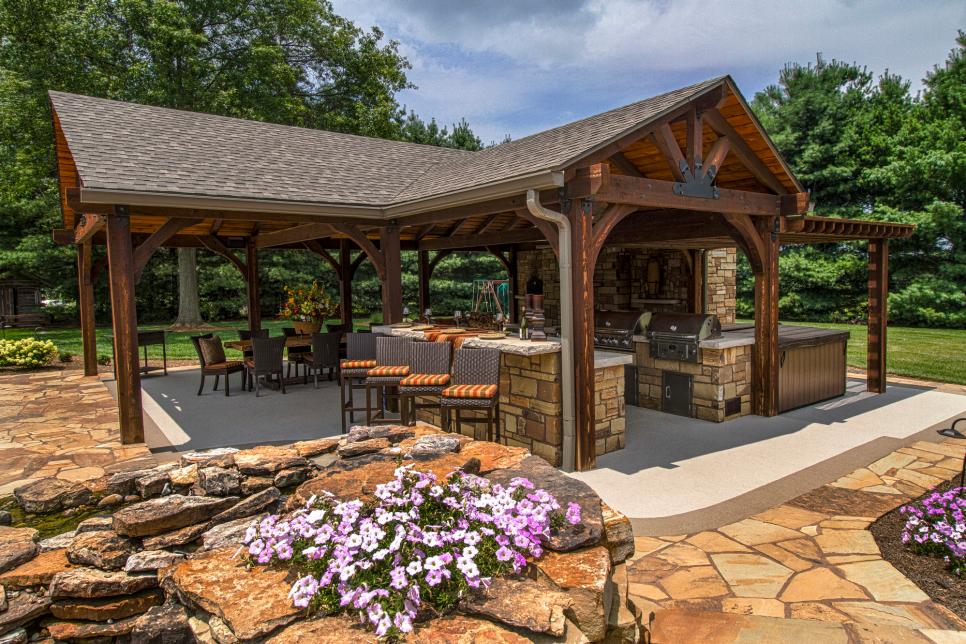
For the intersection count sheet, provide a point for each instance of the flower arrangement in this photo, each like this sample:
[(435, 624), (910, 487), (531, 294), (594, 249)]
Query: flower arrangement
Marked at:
[(936, 525), (421, 546), (26, 352), (310, 304)]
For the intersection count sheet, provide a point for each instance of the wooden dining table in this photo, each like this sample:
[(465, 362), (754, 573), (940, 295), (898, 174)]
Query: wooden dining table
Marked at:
[(295, 341)]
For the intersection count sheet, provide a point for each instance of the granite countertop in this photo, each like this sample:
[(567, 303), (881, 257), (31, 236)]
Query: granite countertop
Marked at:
[(788, 336)]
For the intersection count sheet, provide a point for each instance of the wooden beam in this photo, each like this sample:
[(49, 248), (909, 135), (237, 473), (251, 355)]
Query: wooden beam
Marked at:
[(695, 140), (438, 257), (146, 249), (315, 247), (492, 207), (625, 165), (216, 246), (424, 272), (345, 281), (716, 156), (215, 226), (743, 152), (654, 193), (667, 145), (765, 365), (392, 303), (293, 235), (547, 229), (252, 285), (125, 323), (878, 315), (696, 296), (361, 240), (614, 214), (482, 241), (87, 226), (748, 237), (582, 242), (85, 307)]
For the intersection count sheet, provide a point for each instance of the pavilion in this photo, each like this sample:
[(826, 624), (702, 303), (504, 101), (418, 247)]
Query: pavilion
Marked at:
[(691, 169)]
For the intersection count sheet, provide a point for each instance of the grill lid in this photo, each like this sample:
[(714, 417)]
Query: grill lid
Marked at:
[(691, 325), (624, 322)]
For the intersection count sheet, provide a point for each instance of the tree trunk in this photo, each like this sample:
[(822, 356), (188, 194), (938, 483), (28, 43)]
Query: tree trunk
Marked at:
[(189, 309)]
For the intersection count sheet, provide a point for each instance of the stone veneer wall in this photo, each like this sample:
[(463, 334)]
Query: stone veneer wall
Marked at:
[(609, 409), (620, 280), (722, 283), (722, 374), (531, 406)]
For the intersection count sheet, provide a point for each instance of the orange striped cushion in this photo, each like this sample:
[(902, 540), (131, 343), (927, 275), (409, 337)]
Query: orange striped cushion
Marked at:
[(425, 379), (357, 364), (386, 370), (470, 391)]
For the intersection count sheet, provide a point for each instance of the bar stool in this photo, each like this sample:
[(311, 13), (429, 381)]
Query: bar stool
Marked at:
[(476, 384), (353, 371), (430, 375), (392, 365)]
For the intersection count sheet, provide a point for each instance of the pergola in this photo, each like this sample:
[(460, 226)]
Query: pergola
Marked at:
[(691, 170)]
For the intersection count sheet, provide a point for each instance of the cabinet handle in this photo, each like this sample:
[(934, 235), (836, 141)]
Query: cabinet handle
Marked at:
[(667, 391)]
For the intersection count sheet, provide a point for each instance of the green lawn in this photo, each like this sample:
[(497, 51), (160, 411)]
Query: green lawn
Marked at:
[(178, 344), (930, 354)]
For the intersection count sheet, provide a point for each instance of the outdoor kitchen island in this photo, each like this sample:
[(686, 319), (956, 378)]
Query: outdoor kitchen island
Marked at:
[(717, 386), (531, 400)]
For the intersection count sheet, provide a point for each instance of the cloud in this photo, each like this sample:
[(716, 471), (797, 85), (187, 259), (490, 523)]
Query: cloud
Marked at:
[(517, 67)]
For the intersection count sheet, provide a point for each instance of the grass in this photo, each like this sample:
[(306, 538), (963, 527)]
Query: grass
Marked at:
[(929, 354), (178, 344)]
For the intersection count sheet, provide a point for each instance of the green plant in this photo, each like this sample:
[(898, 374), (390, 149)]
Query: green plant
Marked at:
[(103, 360), (65, 356), (26, 352)]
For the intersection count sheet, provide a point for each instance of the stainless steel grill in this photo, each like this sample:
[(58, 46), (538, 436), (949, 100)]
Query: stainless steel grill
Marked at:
[(675, 336), (615, 330)]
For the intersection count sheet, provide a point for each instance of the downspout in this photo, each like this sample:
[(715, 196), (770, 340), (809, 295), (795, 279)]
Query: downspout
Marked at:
[(566, 323)]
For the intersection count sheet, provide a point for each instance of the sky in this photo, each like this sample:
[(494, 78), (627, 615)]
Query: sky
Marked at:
[(519, 67)]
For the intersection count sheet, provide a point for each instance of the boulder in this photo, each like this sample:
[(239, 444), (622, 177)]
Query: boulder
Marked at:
[(308, 449), (101, 610), (267, 459), (154, 484), (218, 481), (254, 484), (39, 571), (184, 476), (525, 603), (493, 456), (250, 506), (359, 448), (5, 518), (253, 603), (323, 630), (427, 446), (294, 476), (50, 495), (168, 513), (94, 524), (105, 549), (125, 483), (220, 632), (348, 480), (566, 489), (585, 576), (152, 560), (110, 501), (219, 456), (90, 583), (17, 545), (180, 537), (226, 535), (392, 433), (22, 608), (71, 631), (59, 542), (618, 534), (3, 598), (16, 636), (462, 629), (167, 624)]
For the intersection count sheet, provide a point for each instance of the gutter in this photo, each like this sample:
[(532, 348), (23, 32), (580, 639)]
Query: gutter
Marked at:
[(566, 324)]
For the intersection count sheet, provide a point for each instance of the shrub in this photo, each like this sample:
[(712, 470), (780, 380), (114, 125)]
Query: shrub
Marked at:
[(103, 360), (422, 542), (936, 526), (26, 352), (66, 356)]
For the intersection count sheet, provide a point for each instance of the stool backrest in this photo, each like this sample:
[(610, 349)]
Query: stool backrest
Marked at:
[(268, 354), (360, 346), (430, 357), (476, 367), (392, 351), (325, 348)]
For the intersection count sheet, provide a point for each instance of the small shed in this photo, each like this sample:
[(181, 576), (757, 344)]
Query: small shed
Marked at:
[(21, 301)]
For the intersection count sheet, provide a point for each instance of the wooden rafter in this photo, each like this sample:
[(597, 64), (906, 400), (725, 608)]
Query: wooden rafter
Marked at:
[(743, 152), (605, 224), (625, 165), (548, 230), (482, 241), (294, 234), (146, 249), (87, 226), (315, 247), (218, 247), (665, 142), (374, 254)]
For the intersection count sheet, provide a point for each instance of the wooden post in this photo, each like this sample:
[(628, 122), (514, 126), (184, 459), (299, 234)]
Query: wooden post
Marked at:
[(424, 277), (254, 302), (696, 293), (392, 284), (345, 282), (85, 307), (514, 284), (120, 255), (878, 315), (582, 244), (765, 372)]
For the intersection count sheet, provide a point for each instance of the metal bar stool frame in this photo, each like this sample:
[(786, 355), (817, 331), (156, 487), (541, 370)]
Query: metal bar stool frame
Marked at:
[(428, 359)]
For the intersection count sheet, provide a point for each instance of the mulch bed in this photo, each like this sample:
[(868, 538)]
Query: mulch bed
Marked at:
[(929, 573)]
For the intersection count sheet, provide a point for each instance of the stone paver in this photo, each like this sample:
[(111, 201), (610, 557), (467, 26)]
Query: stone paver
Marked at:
[(59, 423), (806, 570)]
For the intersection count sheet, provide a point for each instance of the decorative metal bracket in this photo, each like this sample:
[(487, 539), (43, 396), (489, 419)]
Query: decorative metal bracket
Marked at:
[(701, 186)]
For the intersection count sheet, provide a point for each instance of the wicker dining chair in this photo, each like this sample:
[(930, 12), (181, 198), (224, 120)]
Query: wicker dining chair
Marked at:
[(475, 386), (246, 334), (324, 355), (353, 371), (267, 360), (296, 355), (392, 365), (215, 364), (429, 375)]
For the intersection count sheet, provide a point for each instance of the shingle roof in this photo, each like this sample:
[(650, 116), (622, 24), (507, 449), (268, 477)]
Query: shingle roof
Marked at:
[(130, 147)]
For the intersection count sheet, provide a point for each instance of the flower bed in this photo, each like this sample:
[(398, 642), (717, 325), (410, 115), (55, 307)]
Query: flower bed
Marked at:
[(420, 547), (936, 525)]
